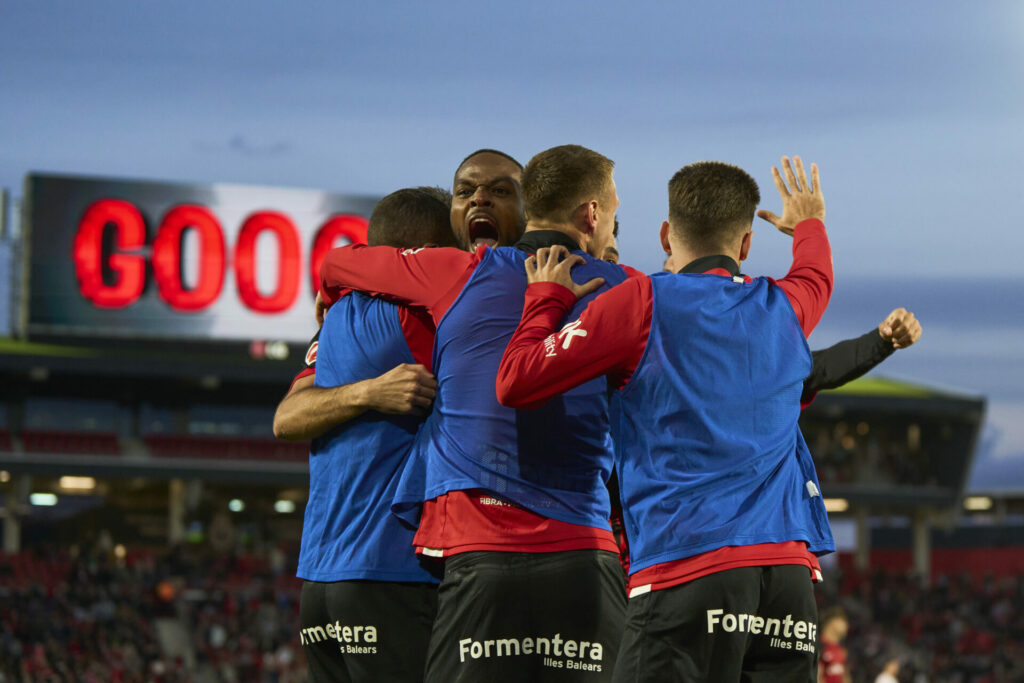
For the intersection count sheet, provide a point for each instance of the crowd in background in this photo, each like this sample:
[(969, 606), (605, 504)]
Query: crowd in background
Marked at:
[(877, 454), (246, 628), (959, 629), (92, 617)]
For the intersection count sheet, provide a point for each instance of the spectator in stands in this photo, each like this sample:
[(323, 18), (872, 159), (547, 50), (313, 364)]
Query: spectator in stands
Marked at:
[(832, 664), (889, 672)]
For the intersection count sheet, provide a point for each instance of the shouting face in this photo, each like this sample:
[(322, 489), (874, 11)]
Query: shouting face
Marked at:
[(486, 204)]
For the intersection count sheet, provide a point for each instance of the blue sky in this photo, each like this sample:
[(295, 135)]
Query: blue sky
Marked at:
[(913, 111)]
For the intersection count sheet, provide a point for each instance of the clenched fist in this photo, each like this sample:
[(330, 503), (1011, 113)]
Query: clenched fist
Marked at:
[(901, 328)]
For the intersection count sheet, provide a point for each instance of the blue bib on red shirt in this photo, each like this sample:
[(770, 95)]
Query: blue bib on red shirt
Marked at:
[(349, 531), (554, 460), (708, 449)]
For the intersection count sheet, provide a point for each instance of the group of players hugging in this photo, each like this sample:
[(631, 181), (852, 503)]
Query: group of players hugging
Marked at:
[(530, 463)]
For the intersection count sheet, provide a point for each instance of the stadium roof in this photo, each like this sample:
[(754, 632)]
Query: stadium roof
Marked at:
[(140, 358), (872, 397), (891, 388)]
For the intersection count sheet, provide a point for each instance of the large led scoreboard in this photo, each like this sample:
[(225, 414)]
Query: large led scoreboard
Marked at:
[(130, 259)]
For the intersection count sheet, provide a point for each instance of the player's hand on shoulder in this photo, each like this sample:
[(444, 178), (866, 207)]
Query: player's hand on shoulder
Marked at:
[(554, 264), (800, 200), (901, 328), (404, 390)]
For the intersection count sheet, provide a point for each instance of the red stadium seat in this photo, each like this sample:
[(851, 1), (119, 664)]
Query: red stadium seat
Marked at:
[(85, 443), (224, 448)]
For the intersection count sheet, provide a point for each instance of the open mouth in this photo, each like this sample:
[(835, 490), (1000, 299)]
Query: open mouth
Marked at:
[(482, 230)]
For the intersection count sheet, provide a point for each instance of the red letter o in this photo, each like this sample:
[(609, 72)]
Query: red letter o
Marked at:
[(167, 258), (352, 228), (289, 262)]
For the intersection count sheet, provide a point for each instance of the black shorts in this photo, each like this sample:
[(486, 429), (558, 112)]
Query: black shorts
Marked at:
[(532, 617), (370, 631), (752, 624)]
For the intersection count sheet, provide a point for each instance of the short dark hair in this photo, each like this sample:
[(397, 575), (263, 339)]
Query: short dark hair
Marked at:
[(710, 203), (410, 218), (558, 180), (488, 151), (442, 195)]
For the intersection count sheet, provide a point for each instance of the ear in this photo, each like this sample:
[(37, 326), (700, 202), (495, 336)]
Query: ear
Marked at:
[(592, 216), (745, 244), (664, 237)]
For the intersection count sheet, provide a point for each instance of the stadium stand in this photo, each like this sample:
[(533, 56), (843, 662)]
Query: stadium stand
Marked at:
[(5, 434), (93, 617), (90, 443), (231, 448), (228, 432), (960, 627), (70, 426), (877, 440)]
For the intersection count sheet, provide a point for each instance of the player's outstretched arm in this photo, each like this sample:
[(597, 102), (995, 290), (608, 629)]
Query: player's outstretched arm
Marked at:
[(407, 276), (308, 411), (541, 362), (808, 284), (846, 361)]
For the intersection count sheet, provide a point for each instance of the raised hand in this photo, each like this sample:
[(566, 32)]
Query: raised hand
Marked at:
[(901, 328), (800, 200), (553, 264)]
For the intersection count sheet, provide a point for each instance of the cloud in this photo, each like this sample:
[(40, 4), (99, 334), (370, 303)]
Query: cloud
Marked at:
[(239, 145)]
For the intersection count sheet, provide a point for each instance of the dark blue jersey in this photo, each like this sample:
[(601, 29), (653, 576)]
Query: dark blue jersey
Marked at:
[(554, 460), (348, 531)]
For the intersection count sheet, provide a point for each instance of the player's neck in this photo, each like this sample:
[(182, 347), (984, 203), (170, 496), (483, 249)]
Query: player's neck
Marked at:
[(581, 238), (682, 255)]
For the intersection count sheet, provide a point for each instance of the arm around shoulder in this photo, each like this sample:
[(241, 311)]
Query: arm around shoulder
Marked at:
[(308, 411), (408, 276), (543, 360)]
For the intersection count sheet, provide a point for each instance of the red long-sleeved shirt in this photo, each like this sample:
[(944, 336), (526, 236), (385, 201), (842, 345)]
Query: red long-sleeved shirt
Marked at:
[(459, 521), (431, 278), (610, 338)]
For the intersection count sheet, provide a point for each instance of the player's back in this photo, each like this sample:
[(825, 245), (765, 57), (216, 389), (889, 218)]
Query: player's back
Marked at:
[(709, 451), (553, 460), (349, 531)]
